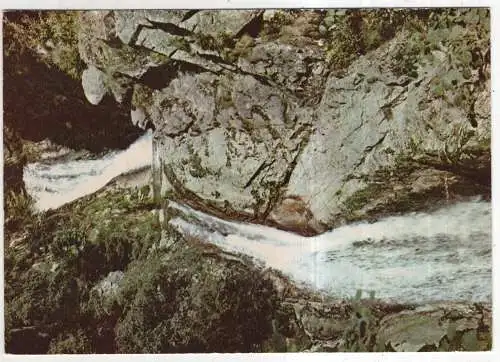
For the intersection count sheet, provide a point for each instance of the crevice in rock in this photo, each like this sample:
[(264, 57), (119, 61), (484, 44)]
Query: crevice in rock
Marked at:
[(371, 147), (189, 14), (368, 149), (253, 27), (353, 131), (264, 165), (137, 32), (396, 100), (169, 28), (299, 130), (182, 131), (158, 77), (478, 175), (191, 67), (280, 188)]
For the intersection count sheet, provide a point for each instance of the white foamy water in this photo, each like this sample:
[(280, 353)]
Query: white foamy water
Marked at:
[(54, 185), (443, 255)]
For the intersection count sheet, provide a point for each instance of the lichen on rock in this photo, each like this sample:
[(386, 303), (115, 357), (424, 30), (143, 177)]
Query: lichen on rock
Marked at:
[(258, 84)]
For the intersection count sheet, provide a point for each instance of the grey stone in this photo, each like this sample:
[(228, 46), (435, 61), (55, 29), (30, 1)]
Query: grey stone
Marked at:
[(229, 22), (427, 326), (108, 287), (138, 117), (93, 83), (266, 131)]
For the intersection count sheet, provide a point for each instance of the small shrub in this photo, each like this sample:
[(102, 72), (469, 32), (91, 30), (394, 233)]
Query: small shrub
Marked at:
[(191, 303), (19, 209), (360, 336), (68, 241), (51, 34), (70, 343)]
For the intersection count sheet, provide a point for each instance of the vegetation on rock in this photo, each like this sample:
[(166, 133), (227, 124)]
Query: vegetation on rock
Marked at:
[(43, 97), (93, 277), (51, 35), (184, 299), (355, 32)]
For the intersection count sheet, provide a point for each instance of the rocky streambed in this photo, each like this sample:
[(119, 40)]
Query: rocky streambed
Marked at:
[(421, 267), (415, 257)]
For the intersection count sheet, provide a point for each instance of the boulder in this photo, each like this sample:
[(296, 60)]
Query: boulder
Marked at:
[(93, 83)]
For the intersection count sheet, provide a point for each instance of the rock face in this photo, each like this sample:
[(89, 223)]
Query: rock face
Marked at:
[(41, 101), (252, 123)]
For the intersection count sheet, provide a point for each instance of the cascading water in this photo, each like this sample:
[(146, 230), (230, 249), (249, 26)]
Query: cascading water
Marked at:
[(56, 184), (443, 255)]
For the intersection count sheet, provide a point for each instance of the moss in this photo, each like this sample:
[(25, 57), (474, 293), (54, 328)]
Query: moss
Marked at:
[(54, 31), (243, 47), (196, 169), (248, 124), (362, 197), (225, 99), (210, 42), (272, 28), (181, 43), (142, 97), (159, 58)]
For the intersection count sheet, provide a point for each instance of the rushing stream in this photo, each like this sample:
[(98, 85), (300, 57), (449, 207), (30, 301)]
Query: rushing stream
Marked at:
[(443, 255), (55, 184)]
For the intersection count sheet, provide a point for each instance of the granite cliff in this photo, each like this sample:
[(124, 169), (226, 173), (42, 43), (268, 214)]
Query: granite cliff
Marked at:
[(265, 116)]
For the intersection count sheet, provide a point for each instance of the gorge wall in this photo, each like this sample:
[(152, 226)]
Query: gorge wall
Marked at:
[(301, 119)]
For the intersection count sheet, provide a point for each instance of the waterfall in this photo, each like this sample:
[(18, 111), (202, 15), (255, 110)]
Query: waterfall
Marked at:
[(442, 255)]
